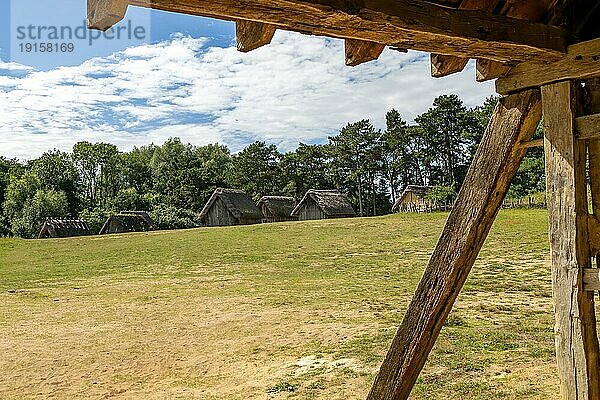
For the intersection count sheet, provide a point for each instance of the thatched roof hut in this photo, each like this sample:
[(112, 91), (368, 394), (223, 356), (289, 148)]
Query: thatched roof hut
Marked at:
[(413, 199), (323, 204), (128, 221), (277, 208), (228, 207), (63, 228)]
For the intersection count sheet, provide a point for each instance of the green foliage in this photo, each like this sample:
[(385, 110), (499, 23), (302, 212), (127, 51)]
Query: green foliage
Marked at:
[(171, 217), (441, 194), (256, 170), (96, 218)]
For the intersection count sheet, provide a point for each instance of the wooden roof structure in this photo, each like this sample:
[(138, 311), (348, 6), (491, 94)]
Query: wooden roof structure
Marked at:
[(545, 55), (64, 228)]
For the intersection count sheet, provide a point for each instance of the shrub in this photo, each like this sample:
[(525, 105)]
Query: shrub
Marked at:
[(171, 217)]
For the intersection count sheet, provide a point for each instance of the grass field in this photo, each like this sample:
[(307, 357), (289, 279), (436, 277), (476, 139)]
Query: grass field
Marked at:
[(299, 310)]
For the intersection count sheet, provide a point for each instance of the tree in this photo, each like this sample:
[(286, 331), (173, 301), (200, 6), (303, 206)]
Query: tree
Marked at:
[(256, 170), (304, 169), (448, 129), (55, 171)]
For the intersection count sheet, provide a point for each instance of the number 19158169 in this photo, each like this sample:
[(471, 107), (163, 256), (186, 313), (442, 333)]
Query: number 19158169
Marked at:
[(47, 47)]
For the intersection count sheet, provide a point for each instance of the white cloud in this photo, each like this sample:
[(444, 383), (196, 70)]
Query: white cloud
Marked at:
[(297, 89)]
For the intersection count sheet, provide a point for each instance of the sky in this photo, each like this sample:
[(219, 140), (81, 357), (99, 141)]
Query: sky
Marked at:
[(184, 78)]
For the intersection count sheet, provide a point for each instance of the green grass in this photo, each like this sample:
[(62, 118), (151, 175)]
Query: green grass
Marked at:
[(225, 313)]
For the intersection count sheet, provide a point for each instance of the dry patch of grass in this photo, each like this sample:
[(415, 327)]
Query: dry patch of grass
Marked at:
[(304, 310)]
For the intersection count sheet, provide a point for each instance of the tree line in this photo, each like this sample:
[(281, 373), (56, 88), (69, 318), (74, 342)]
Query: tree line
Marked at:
[(174, 180)]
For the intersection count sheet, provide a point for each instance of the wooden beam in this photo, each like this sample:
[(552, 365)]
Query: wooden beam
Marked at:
[(486, 184), (360, 51), (532, 143), (412, 24), (588, 127), (442, 65), (252, 35), (582, 62), (594, 230), (488, 70), (576, 338), (103, 14), (591, 279)]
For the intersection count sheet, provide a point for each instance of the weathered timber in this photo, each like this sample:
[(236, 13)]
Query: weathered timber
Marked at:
[(576, 338), (593, 225), (532, 143), (360, 51), (103, 14), (486, 184), (488, 70), (252, 35), (411, 24), (588, 127), (442, 65), (591, 279), (582, 62)]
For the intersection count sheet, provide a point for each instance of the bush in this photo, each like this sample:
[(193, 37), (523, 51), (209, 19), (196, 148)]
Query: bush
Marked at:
[(171, 217), (96, 218), (44, 204), (441, 194)]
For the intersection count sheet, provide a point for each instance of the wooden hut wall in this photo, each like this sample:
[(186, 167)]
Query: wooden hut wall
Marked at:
[(310, 210)]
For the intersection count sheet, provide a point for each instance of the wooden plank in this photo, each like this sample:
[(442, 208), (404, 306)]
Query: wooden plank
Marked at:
[(103, 14), (442, 65), (532, 143), (576, 337), (591, 279), (486, 184), (252, 35), (588, 127), (582, 62), (594, 230), (412, 24), (488, 70), (360, 51)]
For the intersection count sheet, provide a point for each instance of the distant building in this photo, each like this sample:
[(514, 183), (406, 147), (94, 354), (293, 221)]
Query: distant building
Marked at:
[(323, 204), (64, 228), (228, 207), (277, 208), (414, 199), (128, 221)]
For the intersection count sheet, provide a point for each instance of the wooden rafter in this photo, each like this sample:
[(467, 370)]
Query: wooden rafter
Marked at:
[(582, 62), (360, 51), (252, 35), (486, 184), (413, 24), (443, 65), (104, 14)]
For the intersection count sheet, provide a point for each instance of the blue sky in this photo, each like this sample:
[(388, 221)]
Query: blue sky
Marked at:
[(184, 78)]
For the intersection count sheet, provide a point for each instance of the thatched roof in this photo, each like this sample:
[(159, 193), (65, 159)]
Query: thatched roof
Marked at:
[(237, 202), (279, 206), (63, 228), (419, 191), (331, 202), (132, 221)]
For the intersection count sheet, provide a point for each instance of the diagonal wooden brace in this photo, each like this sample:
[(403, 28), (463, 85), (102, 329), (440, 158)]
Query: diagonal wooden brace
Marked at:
[(487, 182)]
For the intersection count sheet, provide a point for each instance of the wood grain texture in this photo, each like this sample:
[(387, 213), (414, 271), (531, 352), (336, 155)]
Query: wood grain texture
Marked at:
[(359, 51), (488, 70), (588, 127), (412, 24), (442, 65), (591, 279), (103, 14), (576, 338), (486, 184), (582, 62), (252, 35)]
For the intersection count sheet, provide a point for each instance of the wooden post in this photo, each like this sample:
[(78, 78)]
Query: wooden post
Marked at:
[(487, 182), (576, 337), (103, 14)]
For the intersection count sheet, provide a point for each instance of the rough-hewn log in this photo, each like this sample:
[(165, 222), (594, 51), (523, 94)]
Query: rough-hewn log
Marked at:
[(591, 279), (252, 35), (582, 62), (103, 14), (413, 24), (360, 51), (594, 234), (486, 184), (442, 65), (532, 143), (588, 127), (576, 337), (488, 70)]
